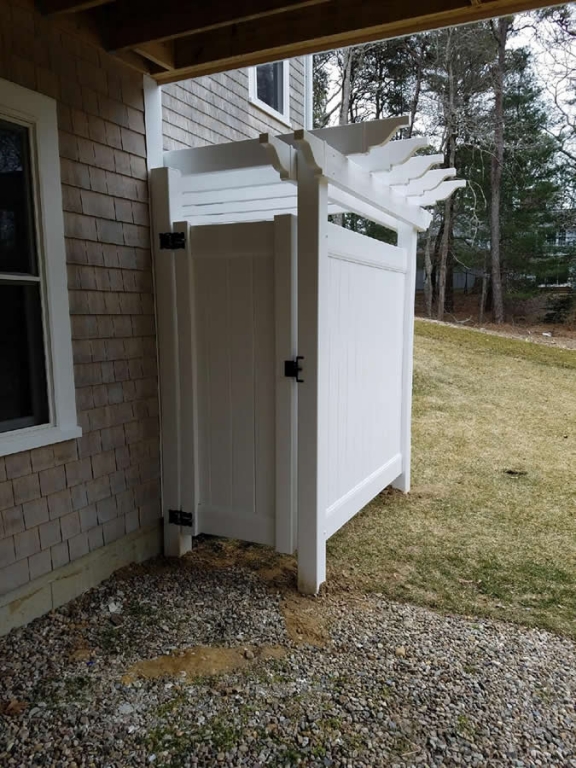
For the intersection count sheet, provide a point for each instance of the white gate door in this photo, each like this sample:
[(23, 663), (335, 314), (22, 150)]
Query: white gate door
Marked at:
[(235, 329)]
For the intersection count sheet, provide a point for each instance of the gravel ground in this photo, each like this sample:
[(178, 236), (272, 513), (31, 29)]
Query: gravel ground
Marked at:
[(394, 685)]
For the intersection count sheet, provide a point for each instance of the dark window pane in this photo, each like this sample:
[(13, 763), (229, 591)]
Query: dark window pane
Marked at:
[(23, 392), (17, 244), (270, 85)]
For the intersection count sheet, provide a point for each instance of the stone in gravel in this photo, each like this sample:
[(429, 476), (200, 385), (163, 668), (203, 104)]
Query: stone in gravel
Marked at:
[(125, 709), (248, 654), (400, 651)]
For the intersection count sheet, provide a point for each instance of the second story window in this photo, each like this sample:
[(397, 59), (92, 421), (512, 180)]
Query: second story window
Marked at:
[(269, 87)]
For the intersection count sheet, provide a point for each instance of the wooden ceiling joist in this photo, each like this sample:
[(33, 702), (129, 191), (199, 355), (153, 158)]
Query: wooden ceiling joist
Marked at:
[(161, 54), (335, 24), (177, 39), (133, 22), (60, 7)]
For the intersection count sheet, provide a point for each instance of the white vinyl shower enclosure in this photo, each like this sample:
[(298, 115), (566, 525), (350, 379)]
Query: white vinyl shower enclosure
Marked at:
[(285, 341)]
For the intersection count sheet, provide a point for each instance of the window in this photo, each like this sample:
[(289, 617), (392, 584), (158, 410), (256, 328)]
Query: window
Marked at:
[(269, 89), (37, 401)]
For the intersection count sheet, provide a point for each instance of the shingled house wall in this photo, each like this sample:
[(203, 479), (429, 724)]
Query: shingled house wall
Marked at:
[(72, 513), (216, 109), (60, 503)]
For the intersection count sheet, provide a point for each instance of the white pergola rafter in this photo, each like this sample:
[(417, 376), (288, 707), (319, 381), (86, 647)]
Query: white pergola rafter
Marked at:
[(366, 173)]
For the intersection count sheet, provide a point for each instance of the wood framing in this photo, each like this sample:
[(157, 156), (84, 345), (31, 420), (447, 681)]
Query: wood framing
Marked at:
[(177, 39)]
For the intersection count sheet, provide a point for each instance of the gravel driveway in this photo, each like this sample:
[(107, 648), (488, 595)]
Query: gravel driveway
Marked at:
[(340, 680)]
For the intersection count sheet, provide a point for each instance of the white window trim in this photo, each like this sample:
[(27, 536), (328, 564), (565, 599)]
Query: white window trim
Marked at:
[(38, 113), (282, 117)]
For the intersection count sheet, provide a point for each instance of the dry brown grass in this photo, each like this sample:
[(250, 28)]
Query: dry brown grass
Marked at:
[(472, 538)]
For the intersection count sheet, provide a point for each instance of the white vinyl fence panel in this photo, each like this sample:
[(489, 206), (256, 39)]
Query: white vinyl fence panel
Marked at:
[(364, 355)]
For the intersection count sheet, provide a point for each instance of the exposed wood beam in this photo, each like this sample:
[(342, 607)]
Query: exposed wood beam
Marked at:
[(132, 22), (59, 7), (334, 24), (161, 54), (134, 61)]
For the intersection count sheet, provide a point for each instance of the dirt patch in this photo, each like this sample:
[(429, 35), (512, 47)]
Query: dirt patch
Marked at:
[(303, 616), (304, 622), (278, 571), (201, 661)]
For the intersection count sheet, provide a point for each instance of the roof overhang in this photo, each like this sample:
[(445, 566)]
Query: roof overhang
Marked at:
[(177, 39)]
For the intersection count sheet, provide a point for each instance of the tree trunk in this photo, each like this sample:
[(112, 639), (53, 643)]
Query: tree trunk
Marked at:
[(484, 292), (417, 90), (443, 263), (450, 117), (348, 55), (500, 28), (428, 285)]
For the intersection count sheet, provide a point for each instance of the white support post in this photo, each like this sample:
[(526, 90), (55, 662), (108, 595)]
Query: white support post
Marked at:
[(153, 122), (188, 421), (312, 345), (408, 239), (285, 271), (164, 188)]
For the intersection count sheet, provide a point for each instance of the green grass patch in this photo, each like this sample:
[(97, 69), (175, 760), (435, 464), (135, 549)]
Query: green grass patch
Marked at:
[(489, 528), (492, 344)]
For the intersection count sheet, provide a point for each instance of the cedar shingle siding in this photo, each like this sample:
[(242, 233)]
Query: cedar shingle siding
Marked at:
[(215, 109), (60, 502)]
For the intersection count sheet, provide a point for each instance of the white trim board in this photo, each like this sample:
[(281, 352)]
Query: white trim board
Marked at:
[(38, 113), (282, 117)]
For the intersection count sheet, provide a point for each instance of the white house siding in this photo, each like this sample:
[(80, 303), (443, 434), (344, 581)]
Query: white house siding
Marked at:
[(216, 109)]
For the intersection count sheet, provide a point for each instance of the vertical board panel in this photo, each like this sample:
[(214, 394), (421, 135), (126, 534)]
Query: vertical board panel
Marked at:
[(242, 381), (236, 363), (264, 393), (364, 303), (218, 322)]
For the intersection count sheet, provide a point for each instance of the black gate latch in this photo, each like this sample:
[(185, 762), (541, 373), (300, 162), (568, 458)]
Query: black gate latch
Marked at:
[(172, 241), (292, 369)]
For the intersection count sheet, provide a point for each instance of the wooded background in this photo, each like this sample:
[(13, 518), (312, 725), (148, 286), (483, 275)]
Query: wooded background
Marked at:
[(498, 99)]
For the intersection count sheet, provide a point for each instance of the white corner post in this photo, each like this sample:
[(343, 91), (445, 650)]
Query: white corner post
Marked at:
[(407, 239), (153, 122), (312, 345), (285, 270), (187, 385), (309, 92), (164, 194)]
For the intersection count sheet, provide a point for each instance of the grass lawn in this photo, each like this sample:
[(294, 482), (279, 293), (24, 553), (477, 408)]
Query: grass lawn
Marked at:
[(490, 525)]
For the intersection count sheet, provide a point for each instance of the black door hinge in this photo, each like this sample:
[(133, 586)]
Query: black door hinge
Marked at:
[(178, 517), (292, 369), (172, 241)]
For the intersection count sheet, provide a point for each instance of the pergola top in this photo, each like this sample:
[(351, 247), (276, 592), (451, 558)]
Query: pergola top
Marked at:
[(366, 172)]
